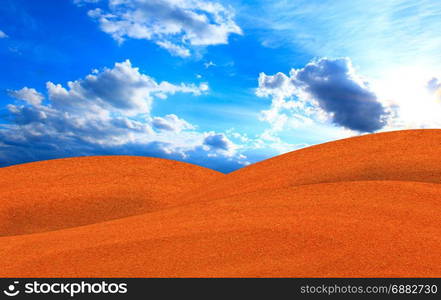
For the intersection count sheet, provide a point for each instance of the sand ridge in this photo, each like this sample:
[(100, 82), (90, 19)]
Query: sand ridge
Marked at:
[(374, 214), (61, 193), (409, 155)]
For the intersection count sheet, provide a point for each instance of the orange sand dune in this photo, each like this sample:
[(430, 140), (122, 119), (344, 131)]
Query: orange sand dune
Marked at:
[(367, 206), (410, 155), (62, 193), (378, 228)]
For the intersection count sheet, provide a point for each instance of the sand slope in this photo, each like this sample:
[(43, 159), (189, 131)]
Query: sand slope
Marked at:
[(410, 155), (371, 215), (62, 193), (344, 229)]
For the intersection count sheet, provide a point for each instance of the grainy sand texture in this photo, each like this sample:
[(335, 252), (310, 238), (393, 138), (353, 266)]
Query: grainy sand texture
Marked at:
[(368, 206)]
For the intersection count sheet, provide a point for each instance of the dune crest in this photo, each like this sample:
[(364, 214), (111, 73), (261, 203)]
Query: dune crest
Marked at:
[(362, 207), (408, 155), (62, 193)]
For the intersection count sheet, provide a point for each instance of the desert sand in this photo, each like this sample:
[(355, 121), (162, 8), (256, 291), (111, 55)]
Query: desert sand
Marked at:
[(368, 206), (62, 193)]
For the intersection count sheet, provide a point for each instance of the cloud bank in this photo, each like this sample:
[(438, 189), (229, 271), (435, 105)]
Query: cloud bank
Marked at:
[(108, 112)]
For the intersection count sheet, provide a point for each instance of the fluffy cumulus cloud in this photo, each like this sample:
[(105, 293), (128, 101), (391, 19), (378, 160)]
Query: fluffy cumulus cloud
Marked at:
[(219, 143), (29, 95), (3, 35), (323, 89), (122, 89), (106, 112), (174, 25)]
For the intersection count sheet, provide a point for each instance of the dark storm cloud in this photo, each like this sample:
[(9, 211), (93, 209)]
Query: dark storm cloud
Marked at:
[(331, 82), (329, 85)]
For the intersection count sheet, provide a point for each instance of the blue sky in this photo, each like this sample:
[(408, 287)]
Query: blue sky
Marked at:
[(221, 84)]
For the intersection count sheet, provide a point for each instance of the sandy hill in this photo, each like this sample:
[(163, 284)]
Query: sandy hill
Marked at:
[(367, 206), (409, 155), (63, 193)]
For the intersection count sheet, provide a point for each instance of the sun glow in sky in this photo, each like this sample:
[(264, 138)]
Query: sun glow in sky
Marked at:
[(407, 88), (219, 83)]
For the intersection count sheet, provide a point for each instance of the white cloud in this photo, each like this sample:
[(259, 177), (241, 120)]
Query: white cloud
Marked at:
[(203, 87), (122, 89), (174, 49), (29, 95), (173, 25), (106, 112), (171, 123), (209, 64), (82, 2), (3, 35), (220, 143)]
